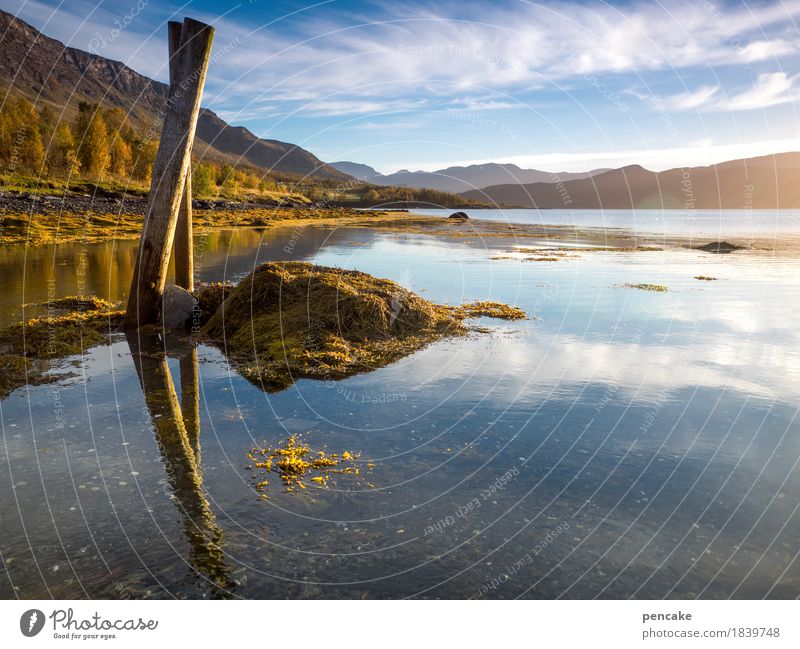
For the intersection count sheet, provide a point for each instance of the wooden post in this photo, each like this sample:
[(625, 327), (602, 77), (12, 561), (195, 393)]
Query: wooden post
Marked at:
[(182, 248), (169, 175)]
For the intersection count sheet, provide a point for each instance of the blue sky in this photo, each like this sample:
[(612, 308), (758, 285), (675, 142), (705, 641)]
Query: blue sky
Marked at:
[(550, 85)]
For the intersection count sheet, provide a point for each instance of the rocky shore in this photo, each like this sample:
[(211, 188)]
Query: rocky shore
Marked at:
[(106, 202)]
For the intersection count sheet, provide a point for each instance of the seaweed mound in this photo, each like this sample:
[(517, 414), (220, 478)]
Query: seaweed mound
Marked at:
[(79, 303), (28, 349), (295, 320)]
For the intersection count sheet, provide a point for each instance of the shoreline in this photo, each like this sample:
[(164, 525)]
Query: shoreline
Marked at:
[(41, 228)]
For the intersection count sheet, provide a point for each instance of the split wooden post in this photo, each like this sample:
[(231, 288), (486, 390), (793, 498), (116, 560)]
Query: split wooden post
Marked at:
[(182, 250), (169, 175)]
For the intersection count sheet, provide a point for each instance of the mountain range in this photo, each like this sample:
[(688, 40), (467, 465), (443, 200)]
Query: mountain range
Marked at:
[(457, 180), (47, 72), (765, 182)]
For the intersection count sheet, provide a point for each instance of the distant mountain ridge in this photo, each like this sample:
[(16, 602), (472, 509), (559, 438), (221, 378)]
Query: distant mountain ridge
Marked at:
[(764, 182), (357, 170), (457, 179), (46, 71)]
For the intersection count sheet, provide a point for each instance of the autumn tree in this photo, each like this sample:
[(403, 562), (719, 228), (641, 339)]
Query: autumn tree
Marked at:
[(93, 142), (204, 182), (121, 136), (21, 142), (62, 155), (143, 154), (224, 172)]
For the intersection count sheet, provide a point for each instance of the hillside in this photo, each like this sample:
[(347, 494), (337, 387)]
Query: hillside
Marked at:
[(48, 73), (765, 182)]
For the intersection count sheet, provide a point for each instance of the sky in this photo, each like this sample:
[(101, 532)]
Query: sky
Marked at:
[(558, 86)]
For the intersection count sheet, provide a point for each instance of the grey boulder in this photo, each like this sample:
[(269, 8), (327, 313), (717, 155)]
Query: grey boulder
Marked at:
[(177, 307)]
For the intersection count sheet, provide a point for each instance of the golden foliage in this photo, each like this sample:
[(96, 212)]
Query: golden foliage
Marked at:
[(294, 462)]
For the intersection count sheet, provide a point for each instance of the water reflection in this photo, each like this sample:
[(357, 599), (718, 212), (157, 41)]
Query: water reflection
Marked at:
[(34, 275), (660, 427), (177, 429)]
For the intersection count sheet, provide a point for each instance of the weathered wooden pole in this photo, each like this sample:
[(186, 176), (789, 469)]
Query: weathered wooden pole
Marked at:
[(182, 248), (169, 174)]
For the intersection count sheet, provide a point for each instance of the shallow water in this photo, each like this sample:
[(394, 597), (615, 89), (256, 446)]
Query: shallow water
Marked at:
[(688, 223), (619, 443)]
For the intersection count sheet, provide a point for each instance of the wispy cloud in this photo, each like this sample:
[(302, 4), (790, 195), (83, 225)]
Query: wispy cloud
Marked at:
[(763, 50), (457, 50), (356, 107), (768, 89), (690, 100), (447, 50)]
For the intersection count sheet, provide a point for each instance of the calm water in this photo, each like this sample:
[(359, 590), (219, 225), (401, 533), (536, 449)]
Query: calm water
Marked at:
[(620, 443), (699, 223)]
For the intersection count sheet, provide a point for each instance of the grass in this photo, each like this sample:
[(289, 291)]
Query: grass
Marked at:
[(87, 227), (705, 278), (41, 229), (488, 310), (657, 288), (211, 295), (79, 185), (55, 186), (295, 320)]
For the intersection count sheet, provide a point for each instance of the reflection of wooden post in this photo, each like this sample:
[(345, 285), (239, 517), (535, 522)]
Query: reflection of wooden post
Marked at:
[(182, 249), (190, 400), (169, 175), (175, 440)]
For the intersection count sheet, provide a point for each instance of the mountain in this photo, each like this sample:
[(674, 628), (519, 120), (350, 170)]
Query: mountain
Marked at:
[(47, 72), (765, 182), (357, 170), (463, 179)]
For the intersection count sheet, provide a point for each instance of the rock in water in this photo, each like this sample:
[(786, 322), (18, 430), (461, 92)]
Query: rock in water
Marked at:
[(719, 247), (459, 215), (177, 307)]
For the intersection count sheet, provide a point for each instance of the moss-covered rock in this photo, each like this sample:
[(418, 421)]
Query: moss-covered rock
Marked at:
[(295, 320)]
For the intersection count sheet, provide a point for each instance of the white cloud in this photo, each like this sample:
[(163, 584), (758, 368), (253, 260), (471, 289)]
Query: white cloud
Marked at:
[(356, 107), (761, 50), (687, 100), (453, 51), (410, 49), (768, 90)]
